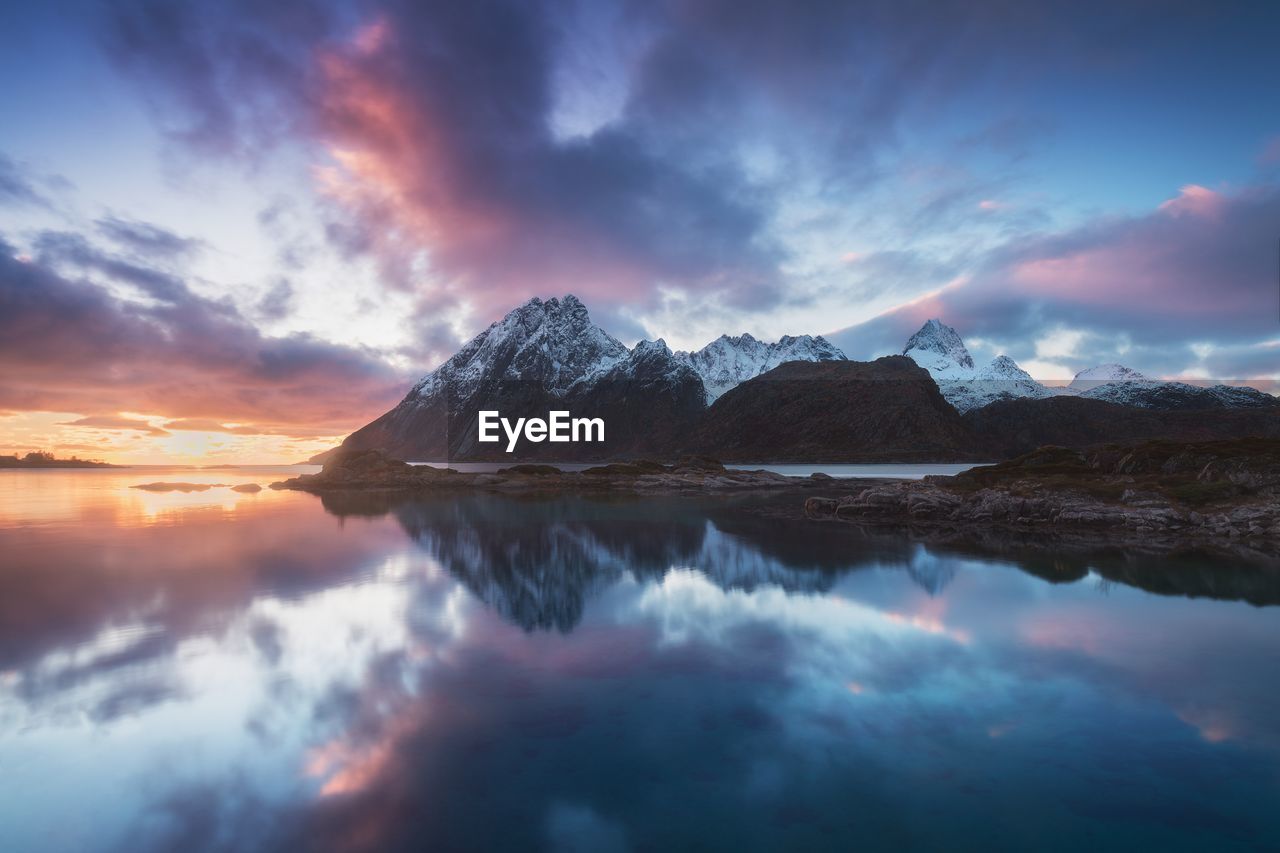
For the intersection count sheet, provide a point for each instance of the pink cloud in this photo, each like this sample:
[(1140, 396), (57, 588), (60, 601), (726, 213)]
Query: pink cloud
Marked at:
[(1194, 200), (1199, 268), (69, 346)]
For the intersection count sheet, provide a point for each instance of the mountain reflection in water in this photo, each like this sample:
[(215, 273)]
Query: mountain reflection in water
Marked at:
[(495, 672)]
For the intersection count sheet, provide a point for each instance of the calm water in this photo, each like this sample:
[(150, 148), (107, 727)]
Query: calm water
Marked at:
[(216, 670), (899, 471)]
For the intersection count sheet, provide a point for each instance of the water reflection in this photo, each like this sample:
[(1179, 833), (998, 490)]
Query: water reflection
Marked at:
[(488, 672)]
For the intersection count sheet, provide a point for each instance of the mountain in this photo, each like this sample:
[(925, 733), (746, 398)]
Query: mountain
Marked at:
[(1000, 380), (1175, 396), (1105, 373), (887, 410), (1115, 383), (539, 357), (798, 399), (729, 361), (549, 355), (649, 400), (939, 349), (553, 343)]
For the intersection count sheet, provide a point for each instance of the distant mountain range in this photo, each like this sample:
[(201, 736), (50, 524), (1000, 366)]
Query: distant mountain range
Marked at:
[(798, 398), (727, 361), (938, 349)]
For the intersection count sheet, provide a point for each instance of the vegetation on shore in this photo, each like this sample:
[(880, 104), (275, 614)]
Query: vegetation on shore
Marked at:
[(41, 459)]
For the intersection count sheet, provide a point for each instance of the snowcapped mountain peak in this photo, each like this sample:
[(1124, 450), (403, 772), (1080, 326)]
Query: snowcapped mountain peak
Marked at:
[(1003, 367), (1103, 373), (550, 341), (938, 349), (647, 347), (1002, 379), (731, 360)]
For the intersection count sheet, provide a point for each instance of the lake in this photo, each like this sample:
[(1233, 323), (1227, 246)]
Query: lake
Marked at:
[(219, 670)]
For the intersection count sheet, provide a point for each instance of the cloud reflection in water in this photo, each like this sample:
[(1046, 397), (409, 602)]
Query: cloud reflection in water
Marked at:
[(621, 674)]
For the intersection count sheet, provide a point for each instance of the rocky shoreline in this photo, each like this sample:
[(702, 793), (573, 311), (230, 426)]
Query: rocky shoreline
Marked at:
[(375, 471), (1136, 492), (1228, 489)]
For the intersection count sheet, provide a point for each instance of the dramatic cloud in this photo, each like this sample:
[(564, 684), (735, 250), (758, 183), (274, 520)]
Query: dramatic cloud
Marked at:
[(620, 151), (67, 344), (115, 422), (466, 168), (1199, 272), (442, 159)]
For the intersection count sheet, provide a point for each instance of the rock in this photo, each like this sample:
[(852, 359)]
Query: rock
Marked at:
[(820, 507), (1147, 488)]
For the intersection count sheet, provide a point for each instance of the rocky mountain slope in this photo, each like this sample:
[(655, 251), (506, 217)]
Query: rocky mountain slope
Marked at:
[(885, 410)]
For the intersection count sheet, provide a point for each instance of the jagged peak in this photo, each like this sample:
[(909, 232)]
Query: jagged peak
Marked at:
[(939, 349), (734, 340), (935, 336), (1003, 367), (551, 340), (657, 345)]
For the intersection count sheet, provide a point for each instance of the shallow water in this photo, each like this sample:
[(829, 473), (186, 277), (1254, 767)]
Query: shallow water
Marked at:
[(218, 670)]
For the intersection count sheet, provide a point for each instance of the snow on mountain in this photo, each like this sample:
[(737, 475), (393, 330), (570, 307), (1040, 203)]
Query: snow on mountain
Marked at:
[(553, 343), (651, 362), (729, 361), (939, 349), (1103, 373), (1000, 380), (1115, 383), (1168, 396)]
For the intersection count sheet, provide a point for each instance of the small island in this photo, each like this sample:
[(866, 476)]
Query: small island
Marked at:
[(40, 459)]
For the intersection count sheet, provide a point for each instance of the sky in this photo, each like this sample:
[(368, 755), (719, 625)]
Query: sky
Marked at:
[(236, 231)]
